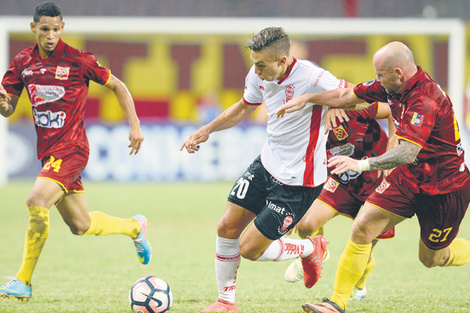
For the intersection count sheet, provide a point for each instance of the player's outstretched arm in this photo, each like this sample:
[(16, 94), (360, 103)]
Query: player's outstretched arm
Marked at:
[(227, 119), (7, 103), (336, 98), (136, 137)]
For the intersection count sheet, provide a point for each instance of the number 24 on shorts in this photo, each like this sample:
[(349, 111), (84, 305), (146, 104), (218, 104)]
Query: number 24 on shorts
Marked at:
[(53, 163)]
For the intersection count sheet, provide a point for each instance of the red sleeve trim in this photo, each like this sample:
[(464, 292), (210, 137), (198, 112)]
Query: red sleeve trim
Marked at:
[(249, 103)]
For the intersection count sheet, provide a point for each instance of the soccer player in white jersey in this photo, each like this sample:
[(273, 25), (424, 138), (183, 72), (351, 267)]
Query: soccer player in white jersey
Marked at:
[(280, 185)]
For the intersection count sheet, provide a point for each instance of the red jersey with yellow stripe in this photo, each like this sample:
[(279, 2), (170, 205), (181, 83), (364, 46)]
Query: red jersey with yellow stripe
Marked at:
[(424, 115), (360, 138), (57, 88)]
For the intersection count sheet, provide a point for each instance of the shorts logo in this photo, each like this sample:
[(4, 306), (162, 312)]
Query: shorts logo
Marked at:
[(62, 73), (340, 132), (289, 92), (417, 119), (331, 185), (40, 94), (383, 186), (288, 220)]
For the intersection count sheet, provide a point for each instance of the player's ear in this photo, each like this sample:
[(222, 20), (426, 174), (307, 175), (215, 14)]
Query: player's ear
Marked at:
[(33, 27), (282, 60)]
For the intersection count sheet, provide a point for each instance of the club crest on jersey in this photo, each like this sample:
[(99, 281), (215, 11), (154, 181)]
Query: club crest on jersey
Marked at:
[(289, 92), (62, 73), (331, 185), (383, 186), (40, 94), (340, 132), (417, 119)]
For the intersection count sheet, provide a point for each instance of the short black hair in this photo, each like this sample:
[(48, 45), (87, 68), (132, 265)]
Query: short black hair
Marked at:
[(273, 37), (46, 9)]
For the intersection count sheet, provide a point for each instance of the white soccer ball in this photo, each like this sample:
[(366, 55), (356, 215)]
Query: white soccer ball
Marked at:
[(150, 295)]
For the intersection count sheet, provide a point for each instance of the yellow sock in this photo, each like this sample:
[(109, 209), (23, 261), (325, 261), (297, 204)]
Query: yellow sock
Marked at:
[(36, 236), (459, 252), (370, 265), (103, 224), (351, 267)]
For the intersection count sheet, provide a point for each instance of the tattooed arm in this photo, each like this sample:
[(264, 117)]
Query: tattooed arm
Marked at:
[(404, 153)]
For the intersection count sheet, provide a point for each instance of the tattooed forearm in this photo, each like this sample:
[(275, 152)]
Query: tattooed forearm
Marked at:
[(404, 153)]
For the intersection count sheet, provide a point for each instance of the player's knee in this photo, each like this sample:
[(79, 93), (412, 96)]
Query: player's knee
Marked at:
[(249, 253), (79, 229), (227, 230), (430, 261), (304, 230)]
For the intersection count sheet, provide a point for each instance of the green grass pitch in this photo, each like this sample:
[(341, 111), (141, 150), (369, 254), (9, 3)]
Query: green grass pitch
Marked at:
[(94, 274)]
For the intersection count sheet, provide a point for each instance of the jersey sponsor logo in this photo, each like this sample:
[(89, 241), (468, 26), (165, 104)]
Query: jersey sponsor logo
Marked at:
[(347, 150), (62, 73), (417, 119), (40, 94), (288, 220), (340, 132), (331, 185), (289, 92), (49, 119), (383, 186), (27, 72)]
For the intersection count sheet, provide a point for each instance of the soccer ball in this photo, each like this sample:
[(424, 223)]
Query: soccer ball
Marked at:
[(150, 295)]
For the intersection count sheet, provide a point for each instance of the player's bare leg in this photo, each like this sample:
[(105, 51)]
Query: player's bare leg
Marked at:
[(74, 211)]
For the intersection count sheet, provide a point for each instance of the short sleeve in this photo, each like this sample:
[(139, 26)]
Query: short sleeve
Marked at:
[(94, 71), (252, 94), (12, 81), (418, 122), (371, 91)]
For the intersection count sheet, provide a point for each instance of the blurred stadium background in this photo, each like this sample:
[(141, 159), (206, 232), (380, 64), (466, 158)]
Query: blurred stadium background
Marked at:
[(181, 81)]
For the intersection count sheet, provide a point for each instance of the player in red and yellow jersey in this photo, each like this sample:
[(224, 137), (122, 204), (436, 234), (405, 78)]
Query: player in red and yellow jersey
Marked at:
[(56, 77), (430, 180), (358, 136)]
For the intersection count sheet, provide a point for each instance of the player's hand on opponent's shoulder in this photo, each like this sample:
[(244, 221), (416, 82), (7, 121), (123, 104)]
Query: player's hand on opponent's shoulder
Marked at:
[(293, 105), (333, 116), (136, 137), (193, 141)]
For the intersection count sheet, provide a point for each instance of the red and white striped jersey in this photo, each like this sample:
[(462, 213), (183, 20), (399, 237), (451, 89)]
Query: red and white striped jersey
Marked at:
[(295, 150)]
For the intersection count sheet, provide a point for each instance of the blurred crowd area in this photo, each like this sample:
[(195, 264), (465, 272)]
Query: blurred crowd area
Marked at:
[(252, 8), (193, 78)]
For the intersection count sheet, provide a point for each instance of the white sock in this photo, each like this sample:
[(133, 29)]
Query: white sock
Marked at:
[(286, 249), (227, 261)]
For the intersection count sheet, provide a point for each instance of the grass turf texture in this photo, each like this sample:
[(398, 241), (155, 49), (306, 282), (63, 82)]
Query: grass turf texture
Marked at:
[(94, 274)]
